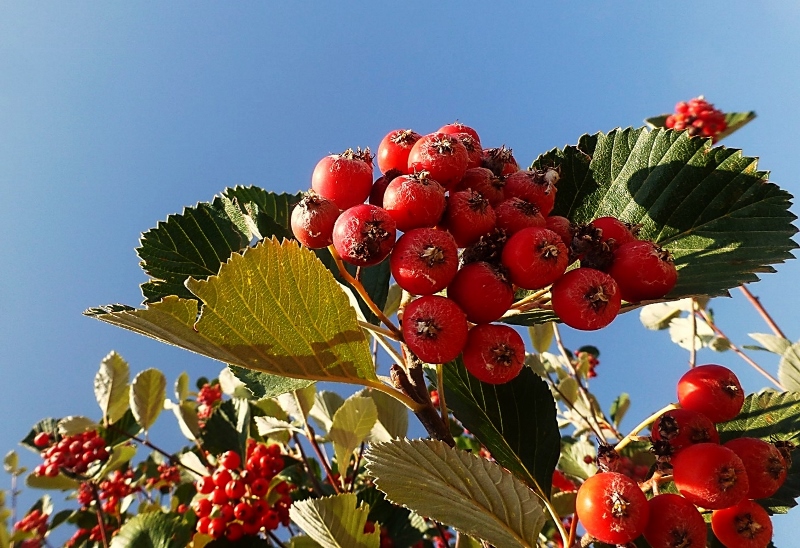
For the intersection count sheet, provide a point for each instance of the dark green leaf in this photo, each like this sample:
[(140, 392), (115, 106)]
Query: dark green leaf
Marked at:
[(271, 212), (153, 530), (396, 519), (228, 427), (771, 416), (516, 421), (48, 425), (264, 385), (122, 430)]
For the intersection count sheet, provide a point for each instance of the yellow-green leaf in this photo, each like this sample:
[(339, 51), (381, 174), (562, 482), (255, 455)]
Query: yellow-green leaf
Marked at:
[(111, 386), (148, 391), (351, 425), (335, 522)]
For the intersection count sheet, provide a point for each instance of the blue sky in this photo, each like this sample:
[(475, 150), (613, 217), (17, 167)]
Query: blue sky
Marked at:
[(115, 115)]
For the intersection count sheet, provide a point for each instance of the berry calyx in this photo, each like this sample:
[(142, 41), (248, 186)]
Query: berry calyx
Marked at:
[(515, 214), (434, 328), (745, 525), (468, 216), (536, 186), (443, 155), (394, 149), (424, 260), (484, 181), (364, 235), (680, 428), (500, 161), (494, 353), (586, 299)]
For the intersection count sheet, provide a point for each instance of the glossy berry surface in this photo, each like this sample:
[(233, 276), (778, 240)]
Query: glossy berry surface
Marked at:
[(713, 390), (494, 353), (364, 235), (345, 179), (484, 181), (394, 149), (457, 127), (443, 155), (535, 257), (710, 476), (612, 508), (414, 201), (586, 299), (643, 271), (313, 219), (683, 427), (745, 525), (482, 291), (424, 260), (766, 467), (674, 523), (434, 328), (468, 216), (515, 214), (536, 187), (612, 228)]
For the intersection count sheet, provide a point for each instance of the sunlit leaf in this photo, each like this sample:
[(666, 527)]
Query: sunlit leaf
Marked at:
[(351, 425), (459, 489), (789, 368), (541, 336), (772, 343), (111, 386), (392, 416), (335, 522), (147, 394), (153, 530), (326, 403), (75, 424)]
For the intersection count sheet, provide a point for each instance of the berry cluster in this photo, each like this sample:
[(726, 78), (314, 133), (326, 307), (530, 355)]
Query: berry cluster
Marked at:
[(168, 476), (723, 479), (234, 503), (208, 396), (34, 522), (72, 454), (699, 117), (476, 225)]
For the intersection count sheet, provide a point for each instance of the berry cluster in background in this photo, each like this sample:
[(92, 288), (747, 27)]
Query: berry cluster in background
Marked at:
[(698, 117), (475, 234)]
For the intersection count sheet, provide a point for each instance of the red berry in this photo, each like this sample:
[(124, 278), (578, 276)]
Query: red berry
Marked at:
[(218, 496), (414, 201), (674, 522), (434, 328), (313, 219), (535, 257), (216, 527), (424, 260), (643, 271), (202, 507), (468, 216), (221, 477), (713, 390), (710, 475), (458, 127), (766, 467), (482, 291), (683, 427), (612, 228), (494, 353), (536, 186), (500, 161), (745, 525), (699, 117), (243, 511), (345, 179), (561, 226), (586, 299), (444, 156), (235, 489), (514, 214), (364, 235), (474, 150), (393, 150), (379, 187), (42, 439), (234, 532), (612, 508), (259, 487), (484, 181), (230, 460)]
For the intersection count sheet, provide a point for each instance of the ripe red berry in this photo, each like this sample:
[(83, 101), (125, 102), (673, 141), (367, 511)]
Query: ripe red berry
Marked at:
[(364, 235), (586, 299), (612, 508), (216, 527), (710, 475), (535, 257), (745, 525), (699, 117), (221, 477), (394, 148), (500, 161), (414, 201), (468, 216), (313, 219), (456, 128), (494, 353), (514, 214), (766, 467), (345, 179), (643, 271), (482, 291), (230, 460), (444, 156), (713, 390), (561, 226), (235, 489), (42, 439), (234, 532), (379, 187), (474, 150), (484, 181), (424, 260), (202, 507), (683, 427), (259, 487), (612, 228), (674, 523), (537, 187), (434, 328)]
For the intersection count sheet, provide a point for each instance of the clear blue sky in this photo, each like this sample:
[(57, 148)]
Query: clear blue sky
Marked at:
[(114, 115)]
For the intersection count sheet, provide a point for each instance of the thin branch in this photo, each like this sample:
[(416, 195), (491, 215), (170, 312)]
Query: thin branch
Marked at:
[(642, 425), (440, 393), (172, 458), (693, 349), (762, 311), (275, 539), (314, 480), (323, 459)]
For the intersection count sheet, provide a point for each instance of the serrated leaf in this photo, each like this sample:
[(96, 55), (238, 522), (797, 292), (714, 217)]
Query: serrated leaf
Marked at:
[(405, 527), (392, 420), (232, 385), (263, 385), (120, 455), (772, 343), (516, 421), (147, 394), (789, 368), (454, 487), (153, 530), (227, 428), (771, 416), (335, 522), (326, 403), (182, 387), (658, 316), (75, 424), (351, 425), (270, 425), (574, 456), (710, 207), (619, 407), (298, 403), (541, 336), (271, 212), (274, 308), (111, 386), (188, 421)]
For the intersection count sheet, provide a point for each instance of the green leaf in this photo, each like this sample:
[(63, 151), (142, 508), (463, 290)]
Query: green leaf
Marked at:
[(263, 385), (302, 541), (11, 462), (772, 343), (404, 527), (182, 387), (454, 487), (682, 331), (335, 522), (57, 483), (274, 308), (120, 455), (711, 207), (564, 502), (658, 316), (48, 425), (393, 300), (574, 453), (153, 530), (227, 428), (111, 386), (516, 421), (298, 403), (231, 385), (789, 368), (619, 407), (771, 416), (147, 394), (271, 212), (326, 403), (351, 425), (75, 424), (188, 421), (541, 336), (392, 416), (268, 426)]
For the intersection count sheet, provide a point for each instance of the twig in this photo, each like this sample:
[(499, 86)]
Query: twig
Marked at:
[(101, 520), (573, 528), (149, 444), (355, 467), (312, 437), (440, 392), (693, 349), (739, 353), (761, 310), (642, 425), (314, 480), (275, 539)]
